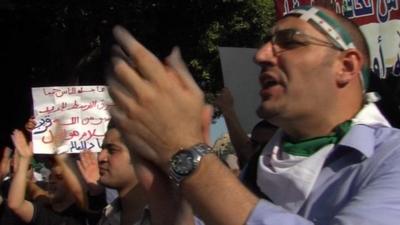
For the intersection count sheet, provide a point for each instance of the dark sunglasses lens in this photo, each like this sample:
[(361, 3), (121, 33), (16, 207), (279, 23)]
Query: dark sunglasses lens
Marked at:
[(283, 38), (286, 39), (272, 37)]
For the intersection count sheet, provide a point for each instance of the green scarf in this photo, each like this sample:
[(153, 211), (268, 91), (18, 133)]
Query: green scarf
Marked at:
[(309, 146)]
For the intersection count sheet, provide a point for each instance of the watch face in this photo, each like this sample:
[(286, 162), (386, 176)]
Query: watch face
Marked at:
[(182, 163)]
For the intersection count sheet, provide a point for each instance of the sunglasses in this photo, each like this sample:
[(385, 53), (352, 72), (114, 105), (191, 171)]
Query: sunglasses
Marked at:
[(291, 38)]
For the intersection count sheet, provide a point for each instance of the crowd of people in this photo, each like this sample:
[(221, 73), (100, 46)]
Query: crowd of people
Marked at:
[(322, 153)]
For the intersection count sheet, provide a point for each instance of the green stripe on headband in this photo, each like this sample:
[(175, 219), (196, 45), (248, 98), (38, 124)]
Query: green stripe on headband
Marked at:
[(333, 29), (336, 26), (328, 25), (365, 77)]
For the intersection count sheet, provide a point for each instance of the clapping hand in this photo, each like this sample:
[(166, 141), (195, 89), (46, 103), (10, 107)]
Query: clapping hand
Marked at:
[(159, 107)]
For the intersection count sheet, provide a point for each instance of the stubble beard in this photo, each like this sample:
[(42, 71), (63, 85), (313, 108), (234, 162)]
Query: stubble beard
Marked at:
[(267, 114)]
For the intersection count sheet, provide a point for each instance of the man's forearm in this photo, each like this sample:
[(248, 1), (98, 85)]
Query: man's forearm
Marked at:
[(204, 188), (16, 195), (167, 205)]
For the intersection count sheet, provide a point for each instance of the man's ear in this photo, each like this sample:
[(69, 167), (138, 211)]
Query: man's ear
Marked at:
[(350, 67)]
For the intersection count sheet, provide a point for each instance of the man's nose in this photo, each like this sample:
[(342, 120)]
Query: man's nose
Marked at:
[(102, 155), (265, 54)]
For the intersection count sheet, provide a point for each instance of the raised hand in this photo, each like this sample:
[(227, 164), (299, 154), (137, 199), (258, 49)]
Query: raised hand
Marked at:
[(224, 100), (89, 166), (16, 196), (5, 163), (159, 107), (30, 124), (59, 138), (22, 147)]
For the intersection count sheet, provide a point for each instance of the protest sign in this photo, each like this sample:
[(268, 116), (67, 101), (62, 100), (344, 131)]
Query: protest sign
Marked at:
[(80, 112), (240, 75)]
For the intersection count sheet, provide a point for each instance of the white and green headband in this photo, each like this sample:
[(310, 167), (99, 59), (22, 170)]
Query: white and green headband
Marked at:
[(333, 29)]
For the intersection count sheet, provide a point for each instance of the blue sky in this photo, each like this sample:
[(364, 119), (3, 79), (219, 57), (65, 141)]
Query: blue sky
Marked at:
[(218, 129)]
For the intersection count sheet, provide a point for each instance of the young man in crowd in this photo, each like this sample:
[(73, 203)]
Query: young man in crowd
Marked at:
[(67, 202), (115, 170)]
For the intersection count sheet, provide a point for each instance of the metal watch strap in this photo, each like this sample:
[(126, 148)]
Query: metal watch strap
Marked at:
[(202, 148), (198, 150)]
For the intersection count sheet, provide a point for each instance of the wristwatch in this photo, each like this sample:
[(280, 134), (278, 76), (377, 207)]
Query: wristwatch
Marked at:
[(184, 162)]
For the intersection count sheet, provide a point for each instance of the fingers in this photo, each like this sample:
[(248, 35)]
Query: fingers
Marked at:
[(30, 124), (6, 154), (175, 61), (83, 159), (147, 64), (59, 135), (121, 97), (92, 157), (87, 159), (81, 167), (88, 166), (154, 103), (116, 51), (21, 144), (5, 163), (125, 77), (132, 131)]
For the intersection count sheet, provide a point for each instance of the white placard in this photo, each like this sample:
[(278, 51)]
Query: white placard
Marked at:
[(241, 77), (82, 112)]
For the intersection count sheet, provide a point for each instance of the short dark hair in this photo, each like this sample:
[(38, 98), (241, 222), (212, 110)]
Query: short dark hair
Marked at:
[(111, 124), (264, 125)]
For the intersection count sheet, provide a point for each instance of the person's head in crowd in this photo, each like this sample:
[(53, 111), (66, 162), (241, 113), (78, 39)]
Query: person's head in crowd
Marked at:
[(58, 191), (313, 70), (261, 133), (116, 168)]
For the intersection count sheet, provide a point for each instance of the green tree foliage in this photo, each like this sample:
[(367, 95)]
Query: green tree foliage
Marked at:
[(67, 41), (66, 36)]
